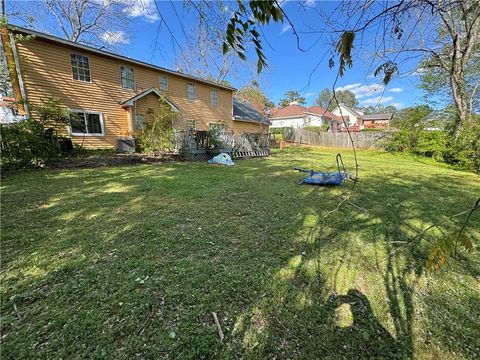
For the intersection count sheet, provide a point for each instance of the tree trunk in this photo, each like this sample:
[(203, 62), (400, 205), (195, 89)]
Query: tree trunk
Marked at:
[(460, 98), (12, 69)]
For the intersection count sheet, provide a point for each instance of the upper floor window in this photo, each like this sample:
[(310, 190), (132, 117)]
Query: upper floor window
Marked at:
[(128, 81), (191, 92), (86, 123), (163, 83), (80, 67), (214, 97)]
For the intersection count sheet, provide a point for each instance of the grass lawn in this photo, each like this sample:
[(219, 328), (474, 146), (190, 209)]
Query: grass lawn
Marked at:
[(130, 262)]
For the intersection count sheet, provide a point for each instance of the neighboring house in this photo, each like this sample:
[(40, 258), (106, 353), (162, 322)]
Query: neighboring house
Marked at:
[(357, 119), (298, 116), (8, 111), (111, 95), (252, 120), (377, 120)]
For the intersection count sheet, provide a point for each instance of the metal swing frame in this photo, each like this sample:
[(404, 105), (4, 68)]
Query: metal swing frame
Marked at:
[(325, 178)]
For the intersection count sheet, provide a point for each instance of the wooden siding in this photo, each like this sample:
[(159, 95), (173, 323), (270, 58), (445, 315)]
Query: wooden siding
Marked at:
[(47, 73), (249, 127)]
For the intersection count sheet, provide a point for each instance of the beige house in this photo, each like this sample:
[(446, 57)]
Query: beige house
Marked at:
[(356, 118), (110, 95)]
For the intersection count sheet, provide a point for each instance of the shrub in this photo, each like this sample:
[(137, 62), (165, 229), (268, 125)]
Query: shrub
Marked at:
[(465, 149), (158, 134), (33, 142), (323, 128)]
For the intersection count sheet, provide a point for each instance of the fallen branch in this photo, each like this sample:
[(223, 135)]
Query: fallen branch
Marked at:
[(217, 323)]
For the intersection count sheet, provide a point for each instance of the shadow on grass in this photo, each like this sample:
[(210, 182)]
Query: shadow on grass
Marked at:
[(132, 261)]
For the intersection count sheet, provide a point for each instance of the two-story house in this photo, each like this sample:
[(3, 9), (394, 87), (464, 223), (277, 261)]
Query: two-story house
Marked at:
[(111, 94)]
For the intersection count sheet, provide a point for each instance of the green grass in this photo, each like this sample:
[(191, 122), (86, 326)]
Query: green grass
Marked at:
[(130, 262)]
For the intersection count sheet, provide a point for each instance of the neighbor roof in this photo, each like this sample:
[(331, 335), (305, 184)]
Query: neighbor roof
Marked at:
[(244, 111), (113, 55), (384, 116), (294, 110), (351, 109)]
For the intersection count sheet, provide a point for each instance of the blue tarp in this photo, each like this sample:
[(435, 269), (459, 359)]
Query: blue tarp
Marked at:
[(222, 159)]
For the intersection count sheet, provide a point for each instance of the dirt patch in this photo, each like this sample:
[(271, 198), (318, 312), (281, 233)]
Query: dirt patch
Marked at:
[(95, 161)]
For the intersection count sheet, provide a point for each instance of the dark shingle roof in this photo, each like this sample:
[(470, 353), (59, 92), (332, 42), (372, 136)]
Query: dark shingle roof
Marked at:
[(385, 116), (244, 111)]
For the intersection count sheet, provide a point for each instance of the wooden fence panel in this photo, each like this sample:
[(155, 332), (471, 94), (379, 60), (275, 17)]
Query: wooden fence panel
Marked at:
[(362, 140)]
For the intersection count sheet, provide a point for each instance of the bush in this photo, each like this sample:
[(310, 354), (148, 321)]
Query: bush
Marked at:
[(465, 149), (276, 130), (462, 150), (34, 142), (323, 128), (158, 134)]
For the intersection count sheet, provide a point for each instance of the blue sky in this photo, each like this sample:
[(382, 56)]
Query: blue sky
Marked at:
[(289, 68)]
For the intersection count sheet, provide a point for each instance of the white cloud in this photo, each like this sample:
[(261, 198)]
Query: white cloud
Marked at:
[(377, 100), (398, 105), (361, 91), (396, 90), (419, 71), (309, 3), (142, 8), (114, 37), (286, 27), (309, 94)]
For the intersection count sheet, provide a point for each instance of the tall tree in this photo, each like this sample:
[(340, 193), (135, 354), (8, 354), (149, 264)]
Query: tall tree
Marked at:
[(325, 99), (291, 96), (435, 80), (378, 109), (407, 29), (98, 23), (200, 52), (255, 96)]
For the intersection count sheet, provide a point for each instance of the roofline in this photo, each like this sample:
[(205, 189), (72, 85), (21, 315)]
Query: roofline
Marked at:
[(129, 102), (304, 113), (285, 117), (252, 121), (113, 55), (352, 110)]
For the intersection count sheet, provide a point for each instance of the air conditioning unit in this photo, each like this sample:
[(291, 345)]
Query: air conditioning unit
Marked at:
[(126, 145)]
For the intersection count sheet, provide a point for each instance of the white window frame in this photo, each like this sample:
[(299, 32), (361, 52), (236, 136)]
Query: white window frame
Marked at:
[(213, 99), (102, 125), (121, 78), (160, 82), (71, 67), (194, 92)]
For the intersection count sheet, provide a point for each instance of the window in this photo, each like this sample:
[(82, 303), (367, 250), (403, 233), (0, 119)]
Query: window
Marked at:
[(214, 97), (80, 67), (140, 121), (163, 83), (86, 123), (190, 125), (128, 81), (216, 127), (191, 93)]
